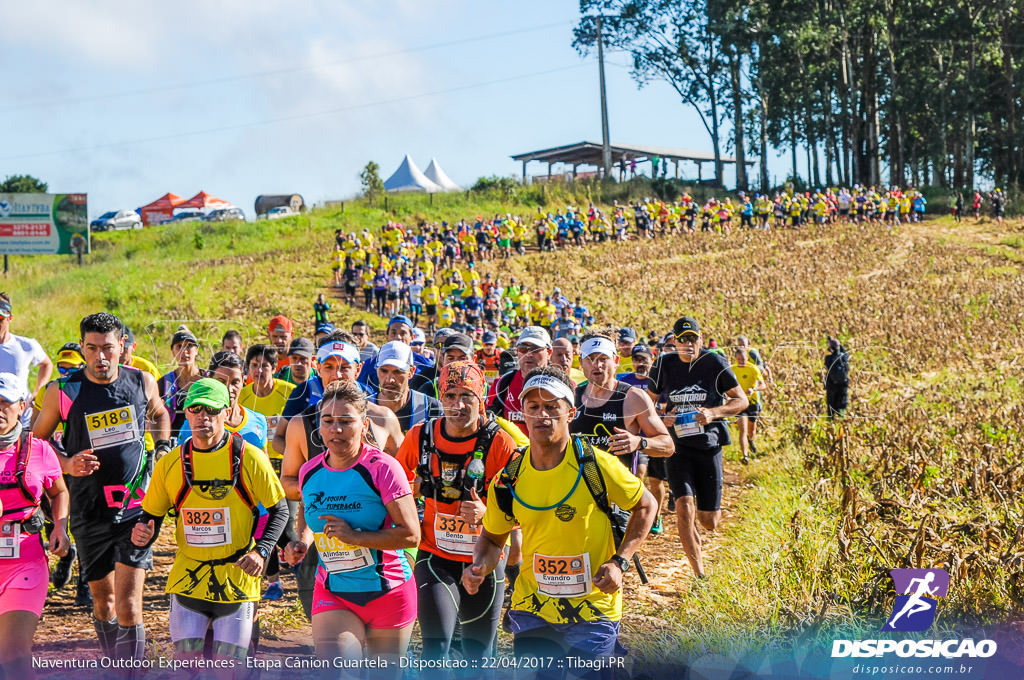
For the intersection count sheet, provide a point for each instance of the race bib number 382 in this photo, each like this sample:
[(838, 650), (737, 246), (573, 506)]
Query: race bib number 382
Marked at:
[(116, 426), (562, 576), (206, 526)]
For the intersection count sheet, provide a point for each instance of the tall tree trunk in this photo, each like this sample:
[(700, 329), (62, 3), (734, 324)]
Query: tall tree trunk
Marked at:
[(792, 142), (737, 120), (712, 88), (896, 162), (971, 120)]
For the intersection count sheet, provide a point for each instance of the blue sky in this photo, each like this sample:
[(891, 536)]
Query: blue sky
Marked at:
[(129, 100)]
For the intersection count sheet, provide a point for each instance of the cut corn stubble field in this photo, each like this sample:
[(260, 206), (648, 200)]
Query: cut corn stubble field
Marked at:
[(926, 470)]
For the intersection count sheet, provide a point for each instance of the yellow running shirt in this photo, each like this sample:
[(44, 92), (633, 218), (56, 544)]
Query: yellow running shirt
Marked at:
[(574, 539), (209, 530)]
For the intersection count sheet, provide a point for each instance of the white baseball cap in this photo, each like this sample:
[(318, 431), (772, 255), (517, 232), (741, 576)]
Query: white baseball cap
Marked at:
[(11, 388), (342, 350), (534, 335), (395, 353), (599, 346)]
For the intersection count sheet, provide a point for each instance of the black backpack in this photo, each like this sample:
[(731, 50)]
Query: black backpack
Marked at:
[(429, 482)]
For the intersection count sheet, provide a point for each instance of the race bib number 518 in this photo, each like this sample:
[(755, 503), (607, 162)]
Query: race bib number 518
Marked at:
[(109, 428)]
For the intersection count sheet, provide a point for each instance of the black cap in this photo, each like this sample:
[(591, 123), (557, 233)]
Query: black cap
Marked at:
[(183, 335), (458, 341), (642, 349), (686, 324), (129, 337), (302, 347), (627, 334)]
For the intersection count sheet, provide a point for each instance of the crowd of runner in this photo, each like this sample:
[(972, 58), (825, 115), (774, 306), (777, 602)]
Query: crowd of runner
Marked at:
[(501, 464)]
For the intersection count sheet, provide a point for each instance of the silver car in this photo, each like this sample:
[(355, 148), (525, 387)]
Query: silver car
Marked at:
[(117, 219)]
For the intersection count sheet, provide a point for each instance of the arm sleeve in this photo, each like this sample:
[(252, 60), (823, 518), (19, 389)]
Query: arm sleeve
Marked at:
[(277, 522)]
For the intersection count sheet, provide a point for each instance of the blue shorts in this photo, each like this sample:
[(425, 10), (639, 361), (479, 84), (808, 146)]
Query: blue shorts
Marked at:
[(585, 639)]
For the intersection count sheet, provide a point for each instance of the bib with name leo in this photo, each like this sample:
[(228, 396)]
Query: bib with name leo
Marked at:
[(563, 576), (686, 424), (10, 540), (454, 534), (206, 526), (116, 426), (339, 556)]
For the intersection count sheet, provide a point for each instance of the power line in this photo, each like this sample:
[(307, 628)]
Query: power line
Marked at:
[(277, 72), (285, 119)]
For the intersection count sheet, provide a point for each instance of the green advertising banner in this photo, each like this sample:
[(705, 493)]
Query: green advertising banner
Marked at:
[(43, 224)]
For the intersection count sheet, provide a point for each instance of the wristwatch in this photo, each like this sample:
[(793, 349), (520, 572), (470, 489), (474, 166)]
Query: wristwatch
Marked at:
[(643, 444), (261, 551), (621, 561)]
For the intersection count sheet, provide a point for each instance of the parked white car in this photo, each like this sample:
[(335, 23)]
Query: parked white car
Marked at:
[(279, 212), (117, 219)]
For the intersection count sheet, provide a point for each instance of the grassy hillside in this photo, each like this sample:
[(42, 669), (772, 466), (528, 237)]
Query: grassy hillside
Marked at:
[(926, 471)]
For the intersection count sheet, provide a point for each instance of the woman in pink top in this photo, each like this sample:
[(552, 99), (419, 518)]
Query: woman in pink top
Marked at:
[(359, 512), (28, 468)]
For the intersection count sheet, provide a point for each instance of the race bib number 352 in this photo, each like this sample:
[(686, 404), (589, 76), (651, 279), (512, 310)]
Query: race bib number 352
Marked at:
[(562, 576), (116, 426), (206, 526)]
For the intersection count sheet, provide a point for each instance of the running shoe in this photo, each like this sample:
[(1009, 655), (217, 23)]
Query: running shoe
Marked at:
[(753, 448), (83, 598), (671, 503), (657, 529), (274, 592)]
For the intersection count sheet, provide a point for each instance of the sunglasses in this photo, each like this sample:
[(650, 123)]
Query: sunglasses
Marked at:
[(196, 409), (687, 337)]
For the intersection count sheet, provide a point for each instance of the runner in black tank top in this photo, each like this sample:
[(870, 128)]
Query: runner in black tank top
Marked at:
[(113, 412), (598, 423)]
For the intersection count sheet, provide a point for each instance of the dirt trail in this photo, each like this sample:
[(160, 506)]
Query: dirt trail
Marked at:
[(66, 630)]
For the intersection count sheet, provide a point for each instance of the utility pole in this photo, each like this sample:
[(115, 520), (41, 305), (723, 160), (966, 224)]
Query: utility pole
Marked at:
[(606, 150)]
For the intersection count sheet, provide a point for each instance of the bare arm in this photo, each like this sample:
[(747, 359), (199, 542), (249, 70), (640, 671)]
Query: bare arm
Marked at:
[(49, 415), (737, 401), (295, 454), (486, 554), (642, 419), (44, 375), (280, 440), (387, 430)]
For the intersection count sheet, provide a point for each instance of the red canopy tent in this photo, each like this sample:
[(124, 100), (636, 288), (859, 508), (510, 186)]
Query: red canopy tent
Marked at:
[(161, 209), (204, 201)]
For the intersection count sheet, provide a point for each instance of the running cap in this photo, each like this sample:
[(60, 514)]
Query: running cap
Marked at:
[(395, 353), (442, 334), (302, 347), (342, 350), (551, 385), (401, 318), (183, 335), (70, 353), (534, 335), (280, 323), (489, 338), (208, 392), (458, 341), (686, 324), (627, 334), (598, 345), (129, 338), (11, 388), (325, 328), (418, 337), (644, 350)]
